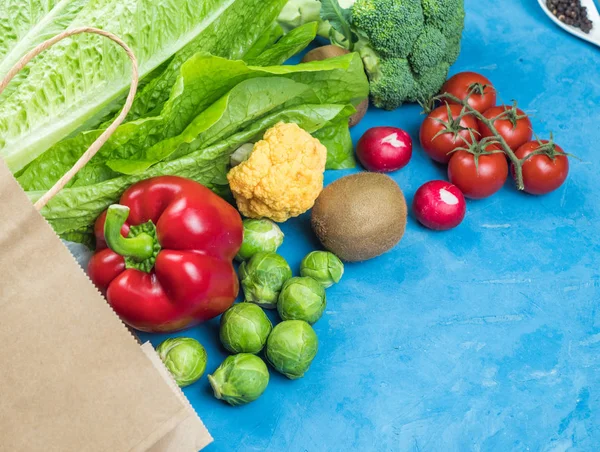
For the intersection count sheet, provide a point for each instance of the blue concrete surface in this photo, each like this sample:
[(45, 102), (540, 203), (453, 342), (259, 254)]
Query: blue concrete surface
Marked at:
[(484, 338)]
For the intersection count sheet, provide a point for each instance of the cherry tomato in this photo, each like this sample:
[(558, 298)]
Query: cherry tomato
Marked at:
[(438, 148), (483, 180), (483, 94), (515, 131), (541, 173)]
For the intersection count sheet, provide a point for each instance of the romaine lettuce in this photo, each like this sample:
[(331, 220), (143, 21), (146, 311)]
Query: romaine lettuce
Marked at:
[(73, 210), (318, 96), (204, 83), (77, 82), (23, 25)]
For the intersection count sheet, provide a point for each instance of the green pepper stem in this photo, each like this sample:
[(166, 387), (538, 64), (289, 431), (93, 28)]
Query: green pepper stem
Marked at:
[(139, 248)]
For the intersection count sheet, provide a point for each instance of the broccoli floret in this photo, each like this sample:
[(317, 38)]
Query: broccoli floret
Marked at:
[(414, 42), (430, 82), (448, 16), (390, 78), (429, 50), (391, 26), (407, 45), (453, 49)]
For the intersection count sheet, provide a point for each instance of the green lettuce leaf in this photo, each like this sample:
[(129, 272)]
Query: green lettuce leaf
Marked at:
[(76, 82), (289, 45), (23, 25), (73, 210), (203, 80), (245, 103), (266, 40), (336, 138), (244, 41), (236, 31)]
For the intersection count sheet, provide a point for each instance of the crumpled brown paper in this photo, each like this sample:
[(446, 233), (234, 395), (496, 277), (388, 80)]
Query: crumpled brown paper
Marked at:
[(72, 377)]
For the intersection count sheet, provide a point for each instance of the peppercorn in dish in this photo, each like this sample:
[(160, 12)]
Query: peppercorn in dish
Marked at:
[(572, 13)]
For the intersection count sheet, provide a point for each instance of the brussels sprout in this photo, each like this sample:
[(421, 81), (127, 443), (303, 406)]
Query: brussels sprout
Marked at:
[(301, 299), (184, 357), (240, 379), (262, 278), (259, 235), (291, 347), (322, 266), (244, 328)]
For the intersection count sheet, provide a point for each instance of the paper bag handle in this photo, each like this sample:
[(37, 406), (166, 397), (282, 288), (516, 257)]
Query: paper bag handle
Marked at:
[(96, 145)]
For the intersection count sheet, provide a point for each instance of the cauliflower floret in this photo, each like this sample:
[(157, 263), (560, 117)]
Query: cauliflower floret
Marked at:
[(283, 176)]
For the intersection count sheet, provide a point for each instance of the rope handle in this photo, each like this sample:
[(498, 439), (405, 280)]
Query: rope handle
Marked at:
[(96, 145)]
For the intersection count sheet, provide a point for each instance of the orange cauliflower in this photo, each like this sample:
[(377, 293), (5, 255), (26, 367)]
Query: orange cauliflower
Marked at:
[(283, 176)]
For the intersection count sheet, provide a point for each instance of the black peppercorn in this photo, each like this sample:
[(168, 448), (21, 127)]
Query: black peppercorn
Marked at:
[(571, 12)]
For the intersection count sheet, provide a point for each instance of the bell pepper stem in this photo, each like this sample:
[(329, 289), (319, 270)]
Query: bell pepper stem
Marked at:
[(139, 248)]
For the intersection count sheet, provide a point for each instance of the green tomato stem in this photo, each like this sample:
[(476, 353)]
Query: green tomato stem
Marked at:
[(518, 164)]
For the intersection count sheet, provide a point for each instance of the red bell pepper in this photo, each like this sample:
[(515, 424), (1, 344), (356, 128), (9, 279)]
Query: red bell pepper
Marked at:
[(164, 254)]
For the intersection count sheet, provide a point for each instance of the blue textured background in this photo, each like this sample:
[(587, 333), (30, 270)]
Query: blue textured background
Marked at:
[(486, 337)]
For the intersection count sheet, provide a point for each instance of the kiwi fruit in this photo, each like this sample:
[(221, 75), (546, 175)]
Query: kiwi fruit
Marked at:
[(360, 217), (361, 111), (332, 51), (323, 53)]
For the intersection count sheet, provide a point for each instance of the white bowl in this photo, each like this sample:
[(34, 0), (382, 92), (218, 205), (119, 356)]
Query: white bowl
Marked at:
[(593, 15)]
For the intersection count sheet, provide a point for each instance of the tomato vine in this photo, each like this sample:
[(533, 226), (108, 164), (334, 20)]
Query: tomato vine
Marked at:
[(467, 110)]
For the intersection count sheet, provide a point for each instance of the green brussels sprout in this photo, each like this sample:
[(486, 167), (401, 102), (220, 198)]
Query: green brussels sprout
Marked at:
[(244, 328), (184, 357), (259, 235), (302, 299), (291, 347), (262, 278), (240, 379), (322, 266)]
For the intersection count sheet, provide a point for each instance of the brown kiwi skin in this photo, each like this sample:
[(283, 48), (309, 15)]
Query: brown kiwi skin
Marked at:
[(361, 111), (332, 51), (323, 53), (361, 216)]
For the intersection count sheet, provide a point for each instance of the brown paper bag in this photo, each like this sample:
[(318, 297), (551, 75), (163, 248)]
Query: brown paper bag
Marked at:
[(180, 438), (73, 378)]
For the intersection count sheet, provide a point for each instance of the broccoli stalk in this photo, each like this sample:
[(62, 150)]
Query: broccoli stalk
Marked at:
[(407, 46)]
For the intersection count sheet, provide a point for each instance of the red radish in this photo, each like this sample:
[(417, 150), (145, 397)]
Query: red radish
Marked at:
[(384, 149), (439, 205)]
